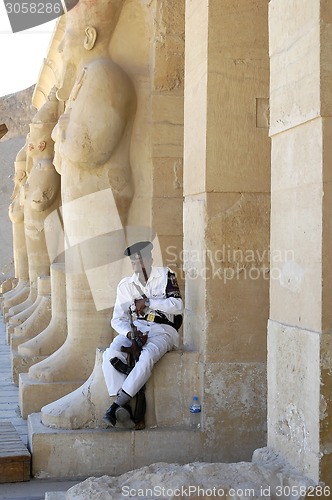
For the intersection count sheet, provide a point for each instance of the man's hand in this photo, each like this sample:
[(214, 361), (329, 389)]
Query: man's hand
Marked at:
[(141, 338), (140, 306), (135, 349)]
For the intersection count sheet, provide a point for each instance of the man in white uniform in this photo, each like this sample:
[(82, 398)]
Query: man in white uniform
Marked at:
[(147, 314)]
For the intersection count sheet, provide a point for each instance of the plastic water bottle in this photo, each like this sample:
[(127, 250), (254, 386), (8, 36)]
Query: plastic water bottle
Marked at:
[(195, 413)]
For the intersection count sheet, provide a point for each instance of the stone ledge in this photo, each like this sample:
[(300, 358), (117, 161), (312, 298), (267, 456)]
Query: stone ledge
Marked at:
[(58, 453)]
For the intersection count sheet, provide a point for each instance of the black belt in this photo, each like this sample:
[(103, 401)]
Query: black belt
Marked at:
[(161, 320)]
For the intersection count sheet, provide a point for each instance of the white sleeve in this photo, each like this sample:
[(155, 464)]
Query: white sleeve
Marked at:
[(170, 305), (121, 318)]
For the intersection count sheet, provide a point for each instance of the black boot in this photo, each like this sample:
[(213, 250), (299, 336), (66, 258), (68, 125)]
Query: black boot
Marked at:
[(110, 415), (124, 416)]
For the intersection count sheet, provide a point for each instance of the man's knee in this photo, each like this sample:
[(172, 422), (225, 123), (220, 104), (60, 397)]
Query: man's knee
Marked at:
[(146, 361), (119, 341)]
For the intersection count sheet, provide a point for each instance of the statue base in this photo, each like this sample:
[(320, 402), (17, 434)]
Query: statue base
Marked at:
[(7, 285), (33, 394), (34, 324), (19, 313), (19, 364), (20, 318), (74, 425), (19, 295)]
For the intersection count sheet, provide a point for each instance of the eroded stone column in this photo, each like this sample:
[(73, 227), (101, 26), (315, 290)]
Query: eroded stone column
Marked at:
[(300, 325), (226, 218), (16, 215)]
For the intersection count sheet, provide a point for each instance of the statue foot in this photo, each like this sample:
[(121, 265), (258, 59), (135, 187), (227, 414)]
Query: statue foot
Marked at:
[(82, 408)]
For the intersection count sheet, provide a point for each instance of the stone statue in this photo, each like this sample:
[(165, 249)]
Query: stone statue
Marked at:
[(41, 197), (16, 215), (42, 190), (95, 130), (19, 294), (93, 139)]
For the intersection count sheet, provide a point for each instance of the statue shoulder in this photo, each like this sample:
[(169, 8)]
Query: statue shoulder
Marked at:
[(99, 82)]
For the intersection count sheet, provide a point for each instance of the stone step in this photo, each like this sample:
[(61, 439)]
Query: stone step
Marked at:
[(15, 459), (71, 454)]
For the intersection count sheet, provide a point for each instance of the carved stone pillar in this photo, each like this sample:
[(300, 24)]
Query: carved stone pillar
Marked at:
[(300, 325), (226, 219)]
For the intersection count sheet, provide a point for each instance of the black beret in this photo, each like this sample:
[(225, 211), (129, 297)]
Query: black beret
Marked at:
[(138, 247)]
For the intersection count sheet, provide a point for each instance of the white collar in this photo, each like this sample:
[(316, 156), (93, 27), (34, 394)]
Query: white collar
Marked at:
[(155, 273)]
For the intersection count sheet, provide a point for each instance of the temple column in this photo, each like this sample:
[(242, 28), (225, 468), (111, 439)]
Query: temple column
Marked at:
[(226, 219), (300, 325)]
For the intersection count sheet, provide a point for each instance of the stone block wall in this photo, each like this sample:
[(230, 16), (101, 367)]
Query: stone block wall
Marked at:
[(226, 217)]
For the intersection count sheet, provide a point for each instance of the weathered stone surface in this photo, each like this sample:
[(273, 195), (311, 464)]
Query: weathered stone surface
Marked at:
[(195, 97), (169, 46), (294, 393), (259, 479), (299, 360), (326, 404), (295, 57), (16, 112), (241, 387)]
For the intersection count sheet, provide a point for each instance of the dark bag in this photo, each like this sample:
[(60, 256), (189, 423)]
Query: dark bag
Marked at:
[(140, 408)]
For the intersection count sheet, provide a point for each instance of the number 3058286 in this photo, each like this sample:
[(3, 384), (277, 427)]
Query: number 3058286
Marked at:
[(33, 8), (304, 491)]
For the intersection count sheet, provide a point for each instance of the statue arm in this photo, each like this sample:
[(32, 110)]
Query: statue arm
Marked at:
[(93, 126)]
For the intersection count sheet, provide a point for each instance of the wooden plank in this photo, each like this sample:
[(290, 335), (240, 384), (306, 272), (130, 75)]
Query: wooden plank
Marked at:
[(14, 473), (3, 130), (15, 459)]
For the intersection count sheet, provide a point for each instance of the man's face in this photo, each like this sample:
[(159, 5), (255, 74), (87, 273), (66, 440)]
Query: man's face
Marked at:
[(141, 264)]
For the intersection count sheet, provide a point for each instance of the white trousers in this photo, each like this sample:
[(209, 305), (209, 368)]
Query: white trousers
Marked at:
[(156, 346)]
